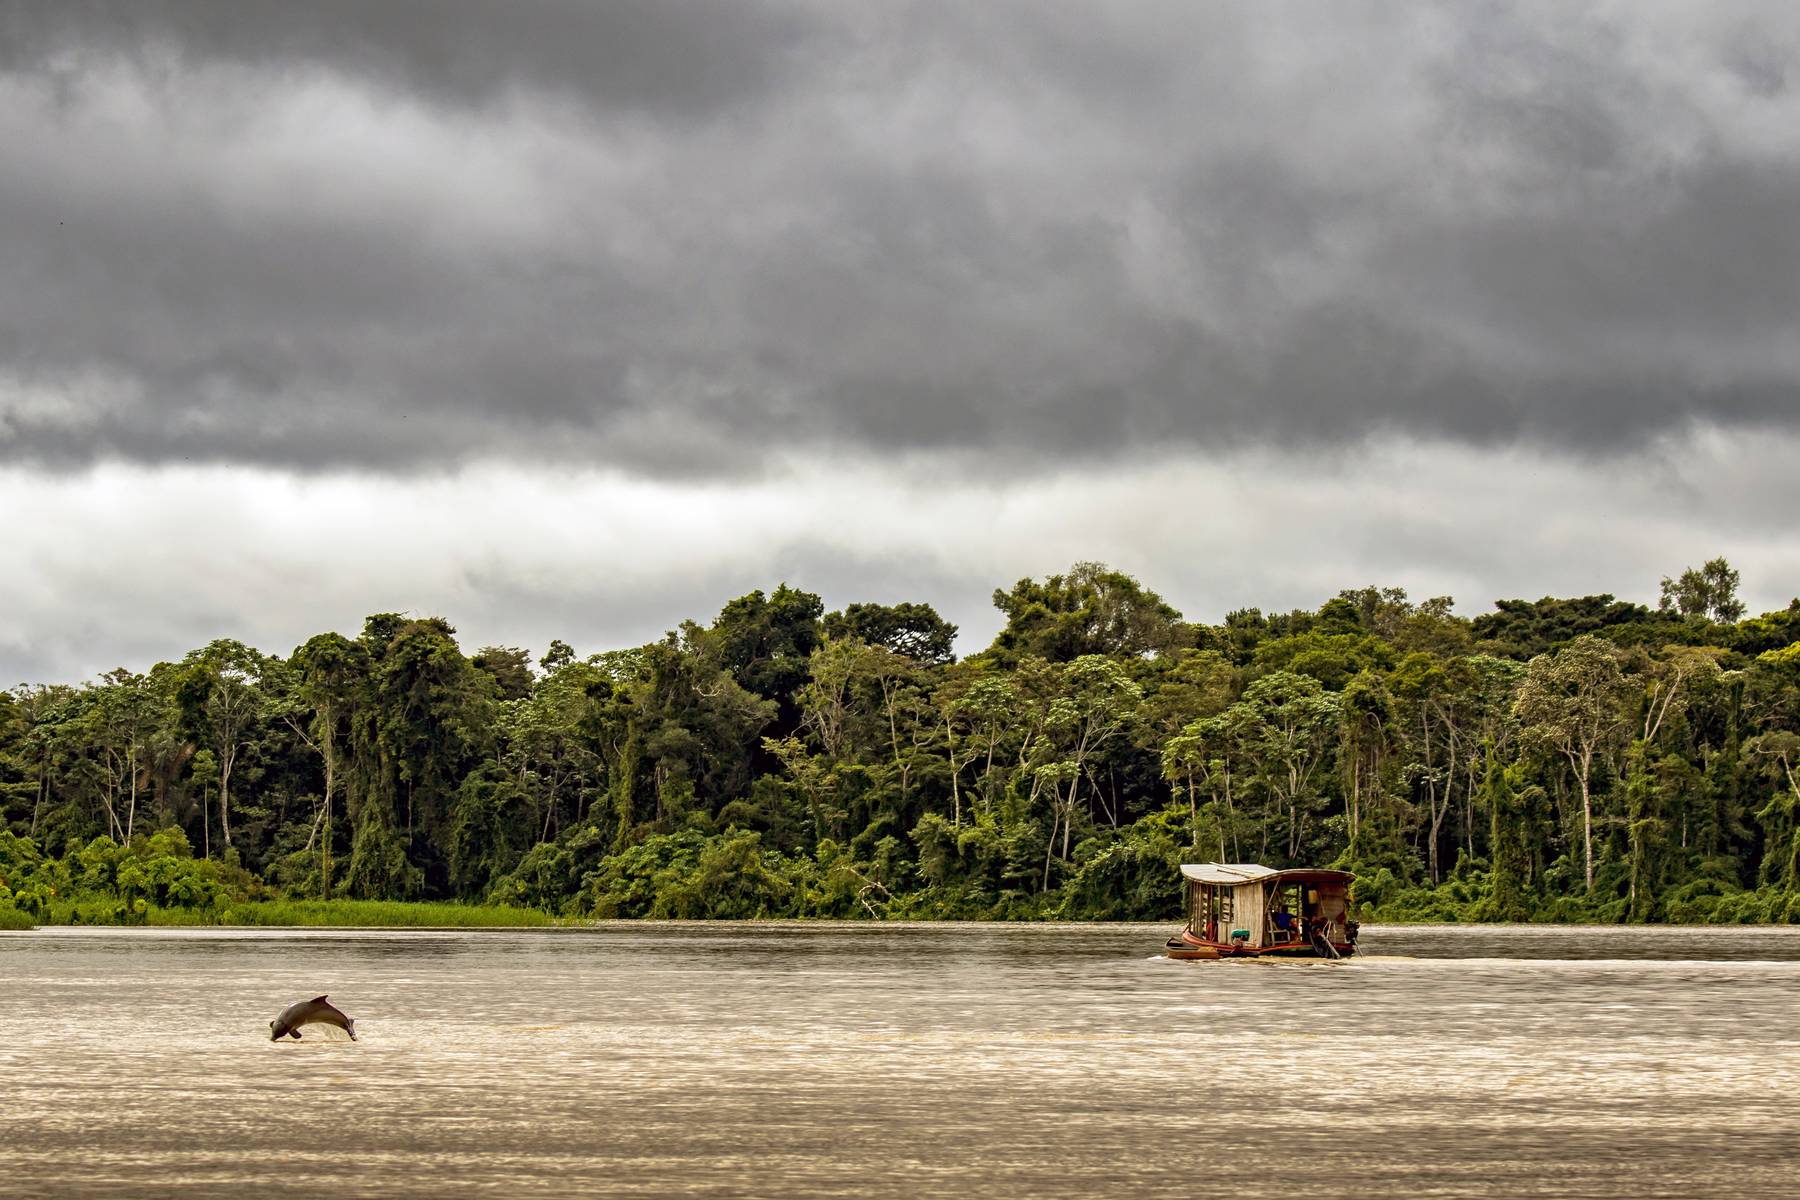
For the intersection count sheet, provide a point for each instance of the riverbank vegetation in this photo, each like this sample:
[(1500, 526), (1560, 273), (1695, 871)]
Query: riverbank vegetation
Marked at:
[(1581, 759), (367, 914), (156, 880)]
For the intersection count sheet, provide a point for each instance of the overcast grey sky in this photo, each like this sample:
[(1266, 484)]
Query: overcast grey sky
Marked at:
[(576, 319)]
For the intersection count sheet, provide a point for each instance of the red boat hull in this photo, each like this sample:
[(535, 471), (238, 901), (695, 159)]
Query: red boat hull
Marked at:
[(1186, 945)]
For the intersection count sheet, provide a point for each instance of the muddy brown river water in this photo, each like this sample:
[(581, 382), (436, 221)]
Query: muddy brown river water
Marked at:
[(898, 1061)]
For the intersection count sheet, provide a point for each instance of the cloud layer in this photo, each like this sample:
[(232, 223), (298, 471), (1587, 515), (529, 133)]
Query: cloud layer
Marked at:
[(142, 564), (565, 319), (696, 239)]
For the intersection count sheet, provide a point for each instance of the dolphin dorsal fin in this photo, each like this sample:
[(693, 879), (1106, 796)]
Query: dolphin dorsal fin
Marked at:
[(320, 999)]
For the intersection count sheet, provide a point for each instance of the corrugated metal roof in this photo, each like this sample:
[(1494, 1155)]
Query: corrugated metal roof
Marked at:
[(1235, 873), (1227, 872)]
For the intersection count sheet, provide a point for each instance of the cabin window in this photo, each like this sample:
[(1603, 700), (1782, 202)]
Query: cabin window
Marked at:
[(1212, 908), (1285, 897)]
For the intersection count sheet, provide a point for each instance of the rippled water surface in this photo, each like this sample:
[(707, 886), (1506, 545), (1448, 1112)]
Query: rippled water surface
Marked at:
[(883, 1060)]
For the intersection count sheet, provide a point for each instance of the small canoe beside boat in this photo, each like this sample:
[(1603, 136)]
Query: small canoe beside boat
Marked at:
[(1243, 910)]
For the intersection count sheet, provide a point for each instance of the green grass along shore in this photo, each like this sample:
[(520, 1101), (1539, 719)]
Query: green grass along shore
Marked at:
[(1762, 907), (348, 914)]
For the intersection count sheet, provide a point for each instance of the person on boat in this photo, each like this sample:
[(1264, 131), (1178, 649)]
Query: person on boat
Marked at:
[(1284, 920)]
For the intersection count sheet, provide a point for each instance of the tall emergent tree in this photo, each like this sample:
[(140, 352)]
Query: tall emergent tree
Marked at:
[(1573, 704), (1710, 591), (222, 700)]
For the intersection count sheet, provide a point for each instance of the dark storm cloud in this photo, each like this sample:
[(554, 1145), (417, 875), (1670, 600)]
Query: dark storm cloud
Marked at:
[(677, 236), (680, 58)]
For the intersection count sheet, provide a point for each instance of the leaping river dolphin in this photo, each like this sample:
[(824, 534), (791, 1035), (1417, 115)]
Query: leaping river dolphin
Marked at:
[(317, 1011)]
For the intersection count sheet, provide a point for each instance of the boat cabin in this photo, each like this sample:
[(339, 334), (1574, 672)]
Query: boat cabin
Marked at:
[(1242, 910)]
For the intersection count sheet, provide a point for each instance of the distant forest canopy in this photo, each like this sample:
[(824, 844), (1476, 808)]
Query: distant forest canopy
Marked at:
[(1558, 759)]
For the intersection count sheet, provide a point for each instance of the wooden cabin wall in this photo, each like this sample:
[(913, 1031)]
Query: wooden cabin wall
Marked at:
[(1249, 911)]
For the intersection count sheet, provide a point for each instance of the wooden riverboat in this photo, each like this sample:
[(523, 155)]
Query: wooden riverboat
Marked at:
[(1242, 910)]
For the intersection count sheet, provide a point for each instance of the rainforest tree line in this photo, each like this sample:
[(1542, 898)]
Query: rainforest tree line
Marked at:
[(1557, 759)]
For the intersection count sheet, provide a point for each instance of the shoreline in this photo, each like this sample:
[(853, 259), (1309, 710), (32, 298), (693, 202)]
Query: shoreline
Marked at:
[(443, 916)]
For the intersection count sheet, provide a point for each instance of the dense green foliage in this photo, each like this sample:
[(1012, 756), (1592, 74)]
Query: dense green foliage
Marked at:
[(1574, 759), (390, 914)]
